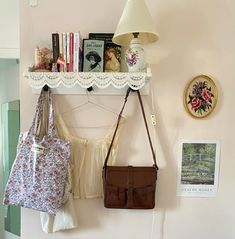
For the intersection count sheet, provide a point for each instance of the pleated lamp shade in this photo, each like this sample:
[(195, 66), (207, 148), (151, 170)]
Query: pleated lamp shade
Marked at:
[(135, 18)]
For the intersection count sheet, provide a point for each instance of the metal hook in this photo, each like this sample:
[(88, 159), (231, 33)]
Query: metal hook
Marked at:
[(45, 87), (90, 89)]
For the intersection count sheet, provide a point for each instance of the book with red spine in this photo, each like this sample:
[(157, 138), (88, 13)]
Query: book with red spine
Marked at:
[(71, 51)]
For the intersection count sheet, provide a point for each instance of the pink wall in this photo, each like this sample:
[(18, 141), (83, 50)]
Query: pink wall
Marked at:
[(196, 37)]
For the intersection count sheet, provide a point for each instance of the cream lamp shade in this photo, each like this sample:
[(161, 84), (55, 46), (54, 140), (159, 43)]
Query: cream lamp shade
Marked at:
[(135, 19)]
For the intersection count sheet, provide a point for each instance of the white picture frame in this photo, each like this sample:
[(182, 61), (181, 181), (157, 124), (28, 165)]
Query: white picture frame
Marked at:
[(198, 168)]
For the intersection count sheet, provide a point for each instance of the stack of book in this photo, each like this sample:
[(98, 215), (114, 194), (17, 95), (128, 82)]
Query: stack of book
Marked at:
[(98, 53), (67, 51)]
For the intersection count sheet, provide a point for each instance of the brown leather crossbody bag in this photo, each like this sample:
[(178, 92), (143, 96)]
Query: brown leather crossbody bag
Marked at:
[(130, 187)]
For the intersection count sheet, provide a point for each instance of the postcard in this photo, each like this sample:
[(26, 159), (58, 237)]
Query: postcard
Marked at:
[(198, 168)]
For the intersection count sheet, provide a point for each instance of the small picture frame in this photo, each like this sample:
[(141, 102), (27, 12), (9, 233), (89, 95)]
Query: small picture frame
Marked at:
[(200, 96), (93, 55), (112, 57)]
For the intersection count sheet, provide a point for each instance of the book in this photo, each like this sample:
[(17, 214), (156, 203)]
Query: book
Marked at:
[(55, 47), (64, 49), (71, 51), (101, 36), (77, 55), (93, 55), (67, 50)]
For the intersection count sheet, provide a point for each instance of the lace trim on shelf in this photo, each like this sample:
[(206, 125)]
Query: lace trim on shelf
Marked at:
[(135, 80)]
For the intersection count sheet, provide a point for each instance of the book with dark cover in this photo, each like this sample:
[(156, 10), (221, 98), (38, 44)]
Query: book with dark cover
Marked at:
[(101, 36), (55, 46)]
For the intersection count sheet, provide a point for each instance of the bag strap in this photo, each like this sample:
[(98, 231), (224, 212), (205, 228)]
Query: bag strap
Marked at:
[(147, 129), (146, 126), (44, 98)]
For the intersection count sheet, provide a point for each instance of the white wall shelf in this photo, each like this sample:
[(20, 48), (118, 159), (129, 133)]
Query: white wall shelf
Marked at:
[(78, 82)]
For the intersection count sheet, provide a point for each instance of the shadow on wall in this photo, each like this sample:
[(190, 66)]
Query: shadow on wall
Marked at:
[(186, 30)]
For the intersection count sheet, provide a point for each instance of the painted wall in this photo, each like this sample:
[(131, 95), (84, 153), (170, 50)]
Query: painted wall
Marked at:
[(196, 37), (9, 25), (9, 91)]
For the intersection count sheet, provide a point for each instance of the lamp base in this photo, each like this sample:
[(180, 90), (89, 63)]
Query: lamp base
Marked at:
[(134, 56)]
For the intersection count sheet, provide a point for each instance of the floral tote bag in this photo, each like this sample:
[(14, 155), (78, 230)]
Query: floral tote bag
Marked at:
[(38, 175)]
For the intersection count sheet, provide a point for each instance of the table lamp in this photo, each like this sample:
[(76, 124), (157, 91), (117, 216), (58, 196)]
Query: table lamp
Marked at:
[(135, 28)]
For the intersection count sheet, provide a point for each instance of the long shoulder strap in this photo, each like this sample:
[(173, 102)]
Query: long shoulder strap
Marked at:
[(115, 131), (146, 126), (147, 129)]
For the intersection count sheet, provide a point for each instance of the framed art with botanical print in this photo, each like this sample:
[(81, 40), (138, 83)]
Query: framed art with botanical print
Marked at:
[(200, 96)]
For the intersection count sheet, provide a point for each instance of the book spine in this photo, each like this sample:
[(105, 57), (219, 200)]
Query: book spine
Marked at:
[(60, 59), (80, 52), (71, 51), (55, 46), (68, 50), (76, 51), (64, 49)]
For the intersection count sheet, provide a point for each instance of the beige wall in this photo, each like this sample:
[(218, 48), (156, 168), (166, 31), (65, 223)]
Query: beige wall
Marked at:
[(196, 37)]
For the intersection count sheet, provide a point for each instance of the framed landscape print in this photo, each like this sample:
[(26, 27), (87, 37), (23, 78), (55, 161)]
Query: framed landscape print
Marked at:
[(93, 55), (198, 168), (200, 96)]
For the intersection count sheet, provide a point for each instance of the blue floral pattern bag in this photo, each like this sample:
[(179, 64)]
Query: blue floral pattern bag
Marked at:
[(38, 175)]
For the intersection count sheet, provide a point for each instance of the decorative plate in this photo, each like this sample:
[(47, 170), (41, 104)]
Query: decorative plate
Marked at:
[(200, 96)]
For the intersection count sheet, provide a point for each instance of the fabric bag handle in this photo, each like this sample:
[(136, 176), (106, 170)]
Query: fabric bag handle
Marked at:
[(146, 126), (45, 99)]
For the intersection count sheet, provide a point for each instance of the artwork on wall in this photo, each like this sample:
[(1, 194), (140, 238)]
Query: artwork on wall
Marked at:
[(198, 168), (200, 96)]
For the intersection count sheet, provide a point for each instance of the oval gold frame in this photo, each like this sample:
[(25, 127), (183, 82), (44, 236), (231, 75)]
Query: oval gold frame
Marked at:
[(202, 114)]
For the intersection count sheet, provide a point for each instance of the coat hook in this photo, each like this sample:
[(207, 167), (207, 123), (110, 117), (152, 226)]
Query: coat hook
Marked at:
[(45, 87), (90, 89)]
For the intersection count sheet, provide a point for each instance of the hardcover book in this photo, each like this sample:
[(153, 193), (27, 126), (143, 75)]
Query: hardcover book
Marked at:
[(68, 50), (101, 36), (55, 46), (77, 55), (71, 52), (93, 55), (64, 49)]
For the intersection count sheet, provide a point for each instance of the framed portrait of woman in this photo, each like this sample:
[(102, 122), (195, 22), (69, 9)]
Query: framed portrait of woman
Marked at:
[(112, 57), (93, 55)]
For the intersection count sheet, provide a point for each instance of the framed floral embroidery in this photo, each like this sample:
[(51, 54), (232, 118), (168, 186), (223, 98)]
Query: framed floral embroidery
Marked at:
[(200, 96)]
